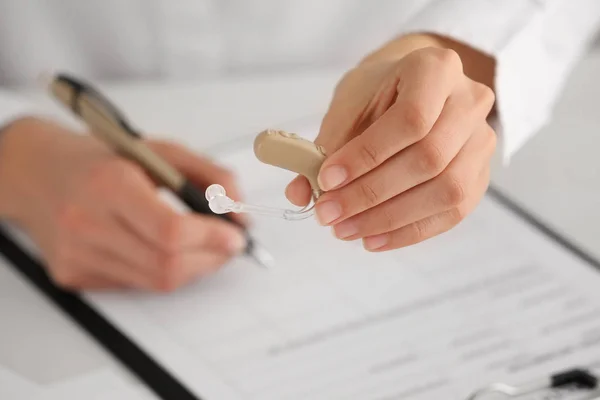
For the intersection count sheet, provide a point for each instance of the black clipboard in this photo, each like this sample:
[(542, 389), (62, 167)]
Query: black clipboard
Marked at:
[(135, 359), (127, 352)]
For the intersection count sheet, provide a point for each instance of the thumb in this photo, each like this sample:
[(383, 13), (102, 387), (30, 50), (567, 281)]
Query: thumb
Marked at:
[(298, 191), (334, 133), (363, 94), (345, 119)]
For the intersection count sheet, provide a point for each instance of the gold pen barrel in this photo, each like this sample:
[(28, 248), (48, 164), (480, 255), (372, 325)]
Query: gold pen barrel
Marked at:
[(103, 126)]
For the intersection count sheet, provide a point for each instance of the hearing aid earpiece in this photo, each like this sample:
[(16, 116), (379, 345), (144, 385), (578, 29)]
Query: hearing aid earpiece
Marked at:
[(219, 203), (282, 150)]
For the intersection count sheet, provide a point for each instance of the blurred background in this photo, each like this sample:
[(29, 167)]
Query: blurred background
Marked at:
[(557, 174)]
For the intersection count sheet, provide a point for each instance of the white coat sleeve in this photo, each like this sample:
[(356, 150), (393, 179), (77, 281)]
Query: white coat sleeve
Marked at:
[(535, 43)]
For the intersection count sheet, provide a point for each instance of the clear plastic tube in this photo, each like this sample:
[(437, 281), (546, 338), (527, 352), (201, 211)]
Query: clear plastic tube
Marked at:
[(219, 203)]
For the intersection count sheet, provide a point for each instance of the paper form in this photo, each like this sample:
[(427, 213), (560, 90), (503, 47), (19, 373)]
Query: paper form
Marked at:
[(491, 300), (13, 386), (99, 385)]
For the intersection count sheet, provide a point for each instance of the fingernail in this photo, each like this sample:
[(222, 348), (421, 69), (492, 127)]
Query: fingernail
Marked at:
[(345, 229), (332, 177), (237, 243), (376, 242), (328, 211)]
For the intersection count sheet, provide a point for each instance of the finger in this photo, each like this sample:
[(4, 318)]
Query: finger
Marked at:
[(87, 281), (460, 183), (139, 206), (191, 266), (419, 163), (90, 267), (414, 233), (127, 193), (208, 233), (81, 264), (99, 283), (111, 235), (428, 227), (425, 82), (298, 191), (187, 232)]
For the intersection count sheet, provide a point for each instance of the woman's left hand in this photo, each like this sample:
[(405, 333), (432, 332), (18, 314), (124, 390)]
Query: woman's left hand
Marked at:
[(409, 150)]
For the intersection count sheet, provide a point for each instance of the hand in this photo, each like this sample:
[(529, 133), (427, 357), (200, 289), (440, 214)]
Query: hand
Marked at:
[(98, 219), (409, 149)]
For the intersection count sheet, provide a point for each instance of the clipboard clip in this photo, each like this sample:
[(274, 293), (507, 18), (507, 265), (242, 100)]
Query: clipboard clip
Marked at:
[(283, 150), (558, 385)]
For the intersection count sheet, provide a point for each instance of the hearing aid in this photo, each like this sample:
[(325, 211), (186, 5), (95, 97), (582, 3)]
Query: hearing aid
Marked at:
[(284, 150), (293, 153)]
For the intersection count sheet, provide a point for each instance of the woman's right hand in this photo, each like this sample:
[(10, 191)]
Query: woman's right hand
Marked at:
[(98, 218)]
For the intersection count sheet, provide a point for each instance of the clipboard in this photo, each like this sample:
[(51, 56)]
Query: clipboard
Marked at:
[(157, 378)]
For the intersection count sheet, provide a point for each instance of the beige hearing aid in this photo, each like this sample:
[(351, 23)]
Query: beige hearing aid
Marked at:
[(283, 150), (291, 152)]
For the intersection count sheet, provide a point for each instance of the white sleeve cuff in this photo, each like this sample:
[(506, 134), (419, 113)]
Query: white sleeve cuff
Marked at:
[(535, 43)]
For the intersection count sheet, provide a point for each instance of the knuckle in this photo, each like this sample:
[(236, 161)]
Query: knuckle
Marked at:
[(75, 220), (431, 158), (368, 194), (170, 233), (418, 232), (65, 277), (435, 58), (72, 220), (388, 218), (412, 120), (369, 155), (170, 266), (484, 95), (107, 175), (450, 59), (453, 190), (171, 263), (68, 217)]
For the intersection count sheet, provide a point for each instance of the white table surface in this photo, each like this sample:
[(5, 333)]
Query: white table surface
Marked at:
[(557, 176)]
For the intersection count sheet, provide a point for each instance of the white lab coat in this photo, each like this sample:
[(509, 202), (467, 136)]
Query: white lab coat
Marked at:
[(535, 42)]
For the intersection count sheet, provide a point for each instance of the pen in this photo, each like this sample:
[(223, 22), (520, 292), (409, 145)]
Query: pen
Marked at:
[(110, 126)]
